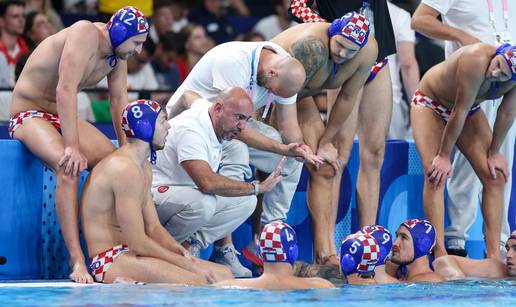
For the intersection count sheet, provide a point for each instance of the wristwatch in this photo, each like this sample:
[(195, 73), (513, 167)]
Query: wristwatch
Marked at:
[(256, 186)]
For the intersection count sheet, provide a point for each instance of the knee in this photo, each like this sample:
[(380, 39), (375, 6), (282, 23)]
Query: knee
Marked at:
[(372, 158), (65, 180), (325, 172), (489, 182)]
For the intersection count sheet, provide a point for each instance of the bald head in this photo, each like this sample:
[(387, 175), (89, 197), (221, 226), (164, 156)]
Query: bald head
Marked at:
[(291, 75), (230, 112)]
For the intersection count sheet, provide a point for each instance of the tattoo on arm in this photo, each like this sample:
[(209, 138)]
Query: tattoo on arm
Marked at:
[(311, 52)]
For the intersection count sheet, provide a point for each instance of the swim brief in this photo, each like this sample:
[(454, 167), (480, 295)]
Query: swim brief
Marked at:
[(101, 263), (376, 69), (420, 99), (17, 120)]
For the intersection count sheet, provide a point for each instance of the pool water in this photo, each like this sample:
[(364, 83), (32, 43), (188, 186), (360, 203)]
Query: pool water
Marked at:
[(458, 293)]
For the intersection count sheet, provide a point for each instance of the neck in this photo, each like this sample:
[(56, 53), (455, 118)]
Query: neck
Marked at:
[(105, 47), (137, 150), (9, 40), (278, 268), (419, 266)]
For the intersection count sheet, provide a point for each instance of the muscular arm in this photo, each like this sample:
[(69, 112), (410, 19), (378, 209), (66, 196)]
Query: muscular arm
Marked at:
[(301, 11), (183, 103), (504, 120), (212, 183), (117, 85), (454, 267), (425, 22), (255, 139), (409, 67), (77, 52), (132, 217), (347, 96), (288, 125)]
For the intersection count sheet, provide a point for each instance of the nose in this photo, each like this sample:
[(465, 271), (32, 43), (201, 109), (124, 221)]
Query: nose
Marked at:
[(242, 125)]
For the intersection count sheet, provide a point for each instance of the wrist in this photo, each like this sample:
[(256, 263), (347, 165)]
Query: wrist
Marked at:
[(256, 187)]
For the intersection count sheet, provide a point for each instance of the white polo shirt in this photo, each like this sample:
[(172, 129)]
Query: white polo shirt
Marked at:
[(191, 137), (227, 65)]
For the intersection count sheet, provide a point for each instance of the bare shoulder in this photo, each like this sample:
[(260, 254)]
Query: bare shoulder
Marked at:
[(473, 59), (86, 30), (311, 52), (119, 170), (428, 277), (317, 282)]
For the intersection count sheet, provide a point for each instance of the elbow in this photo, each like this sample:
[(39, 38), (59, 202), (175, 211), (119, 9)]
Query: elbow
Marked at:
[(415, 23), (64, 91), (135, 245), (206, 186)]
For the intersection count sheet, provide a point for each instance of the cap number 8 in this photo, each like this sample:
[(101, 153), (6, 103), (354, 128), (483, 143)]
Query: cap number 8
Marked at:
[(137, 112)]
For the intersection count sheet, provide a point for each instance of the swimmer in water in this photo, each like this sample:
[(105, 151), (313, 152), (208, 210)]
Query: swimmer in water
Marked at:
[(359, 254), (278, 247), (384, 238), (454, 267)]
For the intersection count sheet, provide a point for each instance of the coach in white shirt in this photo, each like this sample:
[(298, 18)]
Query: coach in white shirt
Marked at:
[(193, 201)]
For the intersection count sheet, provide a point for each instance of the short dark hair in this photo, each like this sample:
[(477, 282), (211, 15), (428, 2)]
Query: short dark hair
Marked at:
[(4, 5)]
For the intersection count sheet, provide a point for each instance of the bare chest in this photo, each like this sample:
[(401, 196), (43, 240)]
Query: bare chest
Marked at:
[(96, 70)]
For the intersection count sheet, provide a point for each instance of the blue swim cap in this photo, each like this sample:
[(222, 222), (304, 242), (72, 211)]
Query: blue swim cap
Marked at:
[(353, 26), (139, 121), (124, 24), (278, 243), (359, 253), (423, 236), (383, 237), (508, 52)]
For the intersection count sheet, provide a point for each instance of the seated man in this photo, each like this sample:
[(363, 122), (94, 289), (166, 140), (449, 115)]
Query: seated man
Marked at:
[(415, 240), (384, 238), (336, 56), (196, 204), (445, 112), (454, 267), (278, 247), (359, 254), (120, 224)]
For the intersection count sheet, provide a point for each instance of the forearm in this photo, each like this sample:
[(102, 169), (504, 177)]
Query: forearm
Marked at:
[(255, 139), (145, 246), (291, 133), (66, 100), (163, 238), (503, 123), (410, 77), (224, 186), (451, 133), (116, 107), (433, 28), (338, 117)]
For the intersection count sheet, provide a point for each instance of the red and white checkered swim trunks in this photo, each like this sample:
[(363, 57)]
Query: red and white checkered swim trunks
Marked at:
[(17, 120), (101, 263), (420, 99), (376, 69)]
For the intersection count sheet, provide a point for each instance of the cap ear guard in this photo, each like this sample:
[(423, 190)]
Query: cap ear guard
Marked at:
[(508, 52), (364, 251), (278, 243), (348, 264)]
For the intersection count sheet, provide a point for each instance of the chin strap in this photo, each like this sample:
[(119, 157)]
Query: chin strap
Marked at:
[(153, 155), (401, 272), (113, 60)]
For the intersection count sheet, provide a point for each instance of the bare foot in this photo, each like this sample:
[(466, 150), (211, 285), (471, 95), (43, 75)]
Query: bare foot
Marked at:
[(80, 273)]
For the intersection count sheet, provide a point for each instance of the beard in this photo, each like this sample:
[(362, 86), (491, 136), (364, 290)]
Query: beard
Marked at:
[(399, 261)]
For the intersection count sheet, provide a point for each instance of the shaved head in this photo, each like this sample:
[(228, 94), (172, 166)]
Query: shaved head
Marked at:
[(291, 74)]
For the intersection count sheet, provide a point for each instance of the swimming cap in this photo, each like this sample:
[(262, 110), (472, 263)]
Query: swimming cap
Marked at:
[(124, 24), (353, 26), (383, 237), (359, 253), (139, 121), (508, 52), (513, 236), (278, 243), (423, 236)]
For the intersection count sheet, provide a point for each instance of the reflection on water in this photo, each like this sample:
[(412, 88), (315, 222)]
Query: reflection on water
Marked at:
[(465, 293)]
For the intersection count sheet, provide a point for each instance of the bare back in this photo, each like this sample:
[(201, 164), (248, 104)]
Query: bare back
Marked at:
[(443, 81), (309, 43), (100, 224), (36, 86)]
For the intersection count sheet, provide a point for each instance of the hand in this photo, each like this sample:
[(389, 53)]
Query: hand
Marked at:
[(439, 170), (497, 162), (73, 161), (205, 272), (304, 153), (273, 179), (329, 154)]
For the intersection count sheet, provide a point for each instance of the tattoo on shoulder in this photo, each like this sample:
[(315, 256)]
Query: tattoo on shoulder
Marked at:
[(311, 52)]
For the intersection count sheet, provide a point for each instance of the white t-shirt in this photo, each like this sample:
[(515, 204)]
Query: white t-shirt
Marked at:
[(191, 137), (269, 26), (402, 33), (472, 16), (229, 65)]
